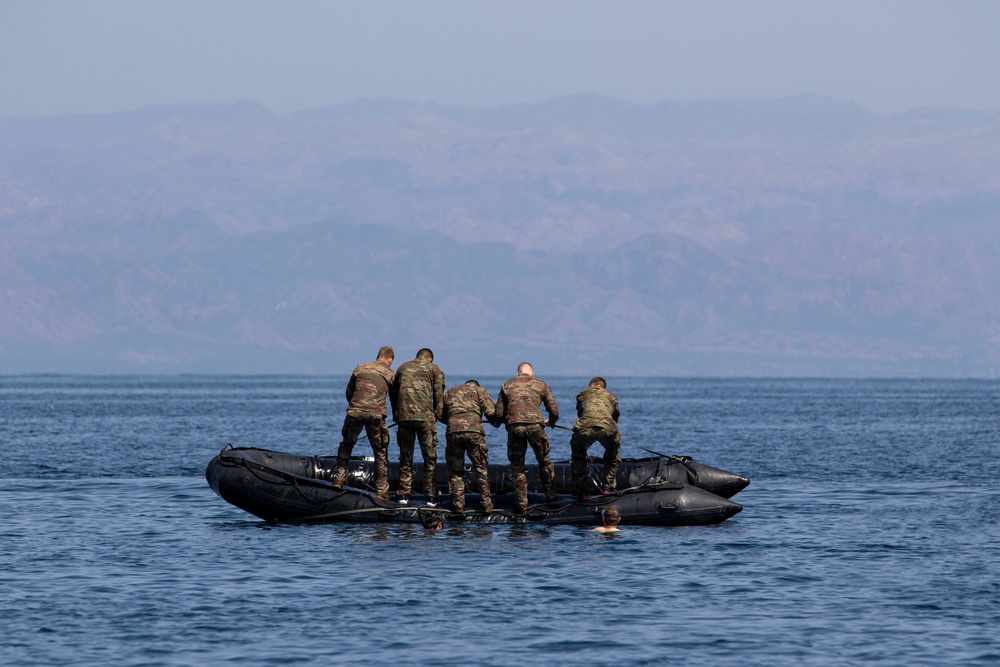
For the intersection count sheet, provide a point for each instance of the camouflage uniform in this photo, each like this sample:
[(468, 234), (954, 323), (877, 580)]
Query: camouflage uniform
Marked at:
[(464, 409), (416, 407), (598, 414), (366, 409), (518, 407)]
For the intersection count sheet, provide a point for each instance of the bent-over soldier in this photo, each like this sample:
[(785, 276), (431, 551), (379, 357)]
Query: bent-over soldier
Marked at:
[(464, 409), (366, 409), (519, 407), (597, 421), (417, 397)]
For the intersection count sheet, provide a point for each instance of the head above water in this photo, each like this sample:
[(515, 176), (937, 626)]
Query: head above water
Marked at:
[(425, 354), (599, 383), (611, 516), (472, 382), (524, 368)]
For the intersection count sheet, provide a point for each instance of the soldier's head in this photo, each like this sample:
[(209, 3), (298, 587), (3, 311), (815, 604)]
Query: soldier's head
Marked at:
[(385, 355), (431, 520), (472, 382), (598, 382), (611, 516), (425, 354), (524, 368)]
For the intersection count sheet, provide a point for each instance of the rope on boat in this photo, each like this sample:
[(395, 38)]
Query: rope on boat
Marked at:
[(546, 509), (368, 510), (540, 510), (289, 479)]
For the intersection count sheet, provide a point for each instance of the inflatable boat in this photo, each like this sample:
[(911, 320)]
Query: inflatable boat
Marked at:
[(278, 486), (631, 472)]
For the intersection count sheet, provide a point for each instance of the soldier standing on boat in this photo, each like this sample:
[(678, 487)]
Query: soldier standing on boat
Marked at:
[(464, 409), (518, 406), (417, 396), (597, 412), (366, 391)]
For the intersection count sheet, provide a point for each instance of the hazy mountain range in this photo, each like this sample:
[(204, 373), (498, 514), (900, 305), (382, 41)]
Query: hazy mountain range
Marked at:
[(798, 236)]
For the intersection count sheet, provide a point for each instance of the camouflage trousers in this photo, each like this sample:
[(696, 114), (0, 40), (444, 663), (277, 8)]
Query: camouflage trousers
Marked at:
[(426, 434), (378, 436), (456, 447), (519, 436), (579, 444)]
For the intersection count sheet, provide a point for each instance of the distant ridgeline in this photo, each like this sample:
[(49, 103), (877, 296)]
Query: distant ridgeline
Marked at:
[(798, 236)]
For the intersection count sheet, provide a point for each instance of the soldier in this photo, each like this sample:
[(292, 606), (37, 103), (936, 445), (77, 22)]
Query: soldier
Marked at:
[(597, 412), (416, 406), (518, 406), (366, 409), (464, 409)]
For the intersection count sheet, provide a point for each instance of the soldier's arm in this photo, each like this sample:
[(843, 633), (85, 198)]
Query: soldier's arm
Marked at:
[(488, 408), (615, 414), (351, 385), (394, 393), (443, 417), (550, 406), (501, 407), (439, 383)]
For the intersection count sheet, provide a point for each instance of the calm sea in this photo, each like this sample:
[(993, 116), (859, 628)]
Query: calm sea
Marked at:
[(869, 535)]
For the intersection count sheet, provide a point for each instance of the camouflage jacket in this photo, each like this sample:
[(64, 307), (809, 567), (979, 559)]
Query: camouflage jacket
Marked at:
[(367, 388), (596, 407), (520, 398), (464, 409), (417, 392)]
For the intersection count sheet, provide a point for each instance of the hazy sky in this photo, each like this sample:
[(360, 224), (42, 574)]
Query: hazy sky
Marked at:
[(71, 56)]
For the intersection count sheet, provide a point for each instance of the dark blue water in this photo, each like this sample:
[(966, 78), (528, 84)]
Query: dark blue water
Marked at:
[(869, 535)]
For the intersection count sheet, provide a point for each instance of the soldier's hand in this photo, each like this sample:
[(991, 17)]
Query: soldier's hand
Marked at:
[(551, 423)]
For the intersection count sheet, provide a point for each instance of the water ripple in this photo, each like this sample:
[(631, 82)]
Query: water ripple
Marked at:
[(869, 536)]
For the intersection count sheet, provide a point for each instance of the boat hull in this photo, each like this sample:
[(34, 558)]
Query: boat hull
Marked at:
[(269, 485), (631, 473)]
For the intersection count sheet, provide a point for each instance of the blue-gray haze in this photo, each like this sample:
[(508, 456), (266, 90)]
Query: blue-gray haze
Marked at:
[(65, 57), (788, 237), (718, 188)]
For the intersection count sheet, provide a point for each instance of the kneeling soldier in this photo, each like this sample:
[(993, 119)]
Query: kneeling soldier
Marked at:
[(463, 412)]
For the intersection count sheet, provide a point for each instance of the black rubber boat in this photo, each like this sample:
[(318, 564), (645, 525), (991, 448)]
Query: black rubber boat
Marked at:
[(277, 486), (631, 472)]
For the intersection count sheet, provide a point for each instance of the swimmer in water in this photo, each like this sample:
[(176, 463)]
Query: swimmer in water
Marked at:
[(610, 517)]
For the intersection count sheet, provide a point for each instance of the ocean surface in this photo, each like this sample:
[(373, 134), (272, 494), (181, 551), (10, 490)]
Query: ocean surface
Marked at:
[(869, 535)]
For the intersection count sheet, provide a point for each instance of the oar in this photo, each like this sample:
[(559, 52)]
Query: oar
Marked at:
[(661, 455)]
